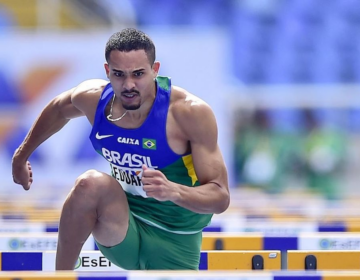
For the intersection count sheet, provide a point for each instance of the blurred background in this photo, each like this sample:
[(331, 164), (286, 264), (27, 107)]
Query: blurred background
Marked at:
[(282, 77)]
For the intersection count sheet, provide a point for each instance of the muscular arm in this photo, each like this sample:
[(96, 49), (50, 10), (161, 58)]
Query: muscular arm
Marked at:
[(53, 117), (212, 196), (56, 114), (198, 124)]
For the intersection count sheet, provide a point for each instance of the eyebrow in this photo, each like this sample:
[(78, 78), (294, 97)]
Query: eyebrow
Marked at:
[(135, 71)]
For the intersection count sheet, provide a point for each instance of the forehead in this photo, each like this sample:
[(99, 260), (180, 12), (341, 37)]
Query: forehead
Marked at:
[(128, 60)]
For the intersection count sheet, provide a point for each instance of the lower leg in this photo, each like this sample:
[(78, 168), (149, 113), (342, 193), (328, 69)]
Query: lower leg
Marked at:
[(96, 204), (77, 221)]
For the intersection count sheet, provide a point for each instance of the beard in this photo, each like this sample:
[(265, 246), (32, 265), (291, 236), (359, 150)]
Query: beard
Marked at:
[(131, 107)]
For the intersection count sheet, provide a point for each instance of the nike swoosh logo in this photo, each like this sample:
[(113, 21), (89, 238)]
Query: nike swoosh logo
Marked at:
[(97, 136)]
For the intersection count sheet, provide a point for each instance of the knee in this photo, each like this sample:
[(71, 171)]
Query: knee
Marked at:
[(84, 196), (88, 184)]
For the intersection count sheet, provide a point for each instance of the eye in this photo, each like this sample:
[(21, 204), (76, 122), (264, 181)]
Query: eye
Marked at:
[(138, 74), (118, 74)]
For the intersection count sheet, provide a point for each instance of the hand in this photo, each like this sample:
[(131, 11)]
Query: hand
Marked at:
[(22, 173), (156, 185)]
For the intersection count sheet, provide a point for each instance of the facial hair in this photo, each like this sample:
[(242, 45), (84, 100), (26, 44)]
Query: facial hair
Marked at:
[(131, 107)]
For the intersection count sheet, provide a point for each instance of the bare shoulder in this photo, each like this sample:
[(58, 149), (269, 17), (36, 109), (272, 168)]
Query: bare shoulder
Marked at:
[(183, 101), (90, 87), (191, 113), (88, 93)]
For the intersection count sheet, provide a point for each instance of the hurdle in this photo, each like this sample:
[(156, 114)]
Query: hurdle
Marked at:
[(283, 226), (185, 275), (268, 226), (25, 226), (323, 260), (264, 226), (95, 261), (301, 241), (304, 241), (45, 241), (240, 260), (232, 241), (211, 241), (36, 242)]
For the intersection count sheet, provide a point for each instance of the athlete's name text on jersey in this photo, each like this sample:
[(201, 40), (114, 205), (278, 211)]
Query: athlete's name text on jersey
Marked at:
[(131, 178)]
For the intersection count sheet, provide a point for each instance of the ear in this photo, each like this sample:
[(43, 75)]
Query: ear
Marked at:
[(107, 70), (155, 68)]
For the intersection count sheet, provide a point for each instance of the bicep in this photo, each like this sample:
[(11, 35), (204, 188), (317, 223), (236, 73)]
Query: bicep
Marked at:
[(209, 165), (81, 100), (65, 105), (207, 157)]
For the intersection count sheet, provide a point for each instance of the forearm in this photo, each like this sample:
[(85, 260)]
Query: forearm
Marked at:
[(204, 199), (48, 123)]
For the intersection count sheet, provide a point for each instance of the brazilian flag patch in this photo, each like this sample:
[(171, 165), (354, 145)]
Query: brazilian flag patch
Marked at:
[(149, 144)]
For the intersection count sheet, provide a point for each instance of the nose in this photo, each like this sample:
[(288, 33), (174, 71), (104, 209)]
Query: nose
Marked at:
[(129, 84)]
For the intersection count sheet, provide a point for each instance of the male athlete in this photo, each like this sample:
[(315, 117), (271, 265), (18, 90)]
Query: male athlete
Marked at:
[(167, 173)]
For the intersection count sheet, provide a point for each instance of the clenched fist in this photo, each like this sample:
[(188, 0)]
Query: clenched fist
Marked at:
[(156, 185), (22, 173)]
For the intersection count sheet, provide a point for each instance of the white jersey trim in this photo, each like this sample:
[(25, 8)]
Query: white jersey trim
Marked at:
[(165, 229), (107, 92)]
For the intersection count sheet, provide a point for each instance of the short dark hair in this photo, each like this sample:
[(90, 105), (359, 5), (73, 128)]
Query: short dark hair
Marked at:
[(130, 39)]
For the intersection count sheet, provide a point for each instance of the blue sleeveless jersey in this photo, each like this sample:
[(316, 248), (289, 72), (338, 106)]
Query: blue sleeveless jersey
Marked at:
[(128, 149)]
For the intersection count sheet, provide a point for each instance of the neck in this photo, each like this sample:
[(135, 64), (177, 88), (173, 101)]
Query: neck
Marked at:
[(110, 116)]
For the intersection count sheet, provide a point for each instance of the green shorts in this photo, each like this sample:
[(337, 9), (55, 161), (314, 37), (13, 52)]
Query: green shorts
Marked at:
[(148, 247)]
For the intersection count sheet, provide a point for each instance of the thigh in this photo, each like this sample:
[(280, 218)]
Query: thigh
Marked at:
[(126, 253), (164, 250), (112, 209)]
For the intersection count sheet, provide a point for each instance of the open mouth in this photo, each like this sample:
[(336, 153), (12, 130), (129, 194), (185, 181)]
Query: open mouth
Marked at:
[(129, 95)]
